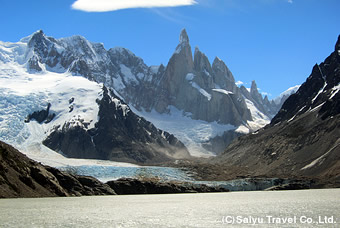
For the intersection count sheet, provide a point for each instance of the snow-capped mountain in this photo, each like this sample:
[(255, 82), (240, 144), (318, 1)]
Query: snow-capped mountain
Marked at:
[(72, 115), (279, 100), (189, 90)]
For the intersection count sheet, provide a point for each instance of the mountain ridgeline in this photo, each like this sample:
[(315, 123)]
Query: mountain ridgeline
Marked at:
[(303, 139), (188, 83)]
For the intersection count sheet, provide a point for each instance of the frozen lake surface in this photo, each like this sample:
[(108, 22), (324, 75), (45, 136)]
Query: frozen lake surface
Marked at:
[(303, 208)]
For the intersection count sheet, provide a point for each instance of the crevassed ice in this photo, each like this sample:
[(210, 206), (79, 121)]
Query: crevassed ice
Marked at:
[(22, 93)]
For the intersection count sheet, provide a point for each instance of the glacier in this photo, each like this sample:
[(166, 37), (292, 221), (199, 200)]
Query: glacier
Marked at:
[(22, 93)]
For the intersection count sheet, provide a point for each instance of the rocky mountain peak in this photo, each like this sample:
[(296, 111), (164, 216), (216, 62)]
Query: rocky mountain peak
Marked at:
[(319, 90), (217, 62), (201, 62), (255, 92), (184, 38), (184, 45), (222, 76), (220, 68), (337, 45), (253, 87), (38, 33), (37, 38)]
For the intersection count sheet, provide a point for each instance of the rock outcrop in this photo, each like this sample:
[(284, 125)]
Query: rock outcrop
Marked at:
[(23, 177), (127, 186), (41, 116)]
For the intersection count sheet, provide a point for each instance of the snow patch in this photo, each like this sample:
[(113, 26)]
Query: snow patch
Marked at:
[(223, 91), (242, 129), (321, 159), (320, 91), (202, 91), (124, 107), (296, 114), (191, 132), (140, 75), (288, 92), (335, 90), (190, 76), (154, 69), (118, 83), (314, 109), (178, 49), (128, 75), (259, 119)]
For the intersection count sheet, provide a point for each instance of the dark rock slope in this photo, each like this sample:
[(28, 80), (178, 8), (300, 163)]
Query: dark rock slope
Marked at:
[(303, 139), (23, 177), (119, 135), (127, 186)]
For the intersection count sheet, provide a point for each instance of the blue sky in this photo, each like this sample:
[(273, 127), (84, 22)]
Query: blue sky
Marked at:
[(275, 42)]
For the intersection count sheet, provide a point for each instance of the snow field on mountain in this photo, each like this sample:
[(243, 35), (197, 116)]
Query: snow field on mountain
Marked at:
[(259, 119), (71, 98), (288, 92), (189, 131)]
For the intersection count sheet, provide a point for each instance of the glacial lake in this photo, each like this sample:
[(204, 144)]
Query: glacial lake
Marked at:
[(302, 208)]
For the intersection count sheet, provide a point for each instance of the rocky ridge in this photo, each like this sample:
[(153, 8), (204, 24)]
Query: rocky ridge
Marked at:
[(23, 177), (303, 138), (189, 83)]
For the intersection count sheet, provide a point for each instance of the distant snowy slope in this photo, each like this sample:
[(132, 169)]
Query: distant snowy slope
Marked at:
[(284, 95)]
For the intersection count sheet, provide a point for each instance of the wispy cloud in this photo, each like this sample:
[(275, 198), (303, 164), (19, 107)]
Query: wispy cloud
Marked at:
[(266, 94), (239, 83), (290, 1), (113, 5), (172, 15)]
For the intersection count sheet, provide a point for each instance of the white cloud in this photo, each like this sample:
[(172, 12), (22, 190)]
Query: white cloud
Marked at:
[(266, 94), (290, 1), (238, 83), (112, 5)]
